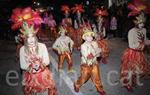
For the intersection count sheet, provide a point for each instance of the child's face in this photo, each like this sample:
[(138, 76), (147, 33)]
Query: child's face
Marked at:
[(140, 25), (31, 40), (88, 38), (62, 33)]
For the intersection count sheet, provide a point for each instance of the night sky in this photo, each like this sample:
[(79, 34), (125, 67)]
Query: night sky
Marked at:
[(7, 5)]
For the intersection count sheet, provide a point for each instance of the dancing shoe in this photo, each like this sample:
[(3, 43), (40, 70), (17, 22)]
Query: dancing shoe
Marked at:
[(102, 93), (75, 88), (129, 88)]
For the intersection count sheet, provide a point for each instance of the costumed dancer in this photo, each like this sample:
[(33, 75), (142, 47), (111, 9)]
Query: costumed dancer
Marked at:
[(78, 24), (34, 57), (67, 21), (64, 47), (89, 65), (134, 64), (52, 26), (100, 30)]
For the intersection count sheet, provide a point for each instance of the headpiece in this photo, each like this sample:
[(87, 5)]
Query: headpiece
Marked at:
[(77, 8), (65, 9), (138, 9), (19, 16), (101, 12)]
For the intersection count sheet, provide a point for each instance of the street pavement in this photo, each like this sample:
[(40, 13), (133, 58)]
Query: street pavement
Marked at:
[(64, 81)]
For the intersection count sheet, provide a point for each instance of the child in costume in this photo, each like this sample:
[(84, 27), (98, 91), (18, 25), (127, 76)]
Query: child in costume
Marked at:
[(89, 65), (134, 64), (34, 57), (100, 30), (64, 46)]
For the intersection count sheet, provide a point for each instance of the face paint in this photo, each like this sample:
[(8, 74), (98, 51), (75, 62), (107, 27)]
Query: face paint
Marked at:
[(140, 25), (31, 40), (62, 33), (89, 38)]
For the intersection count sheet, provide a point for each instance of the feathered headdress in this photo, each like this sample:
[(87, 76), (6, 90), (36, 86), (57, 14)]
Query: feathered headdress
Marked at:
[(77, 8), (19, 16), (137, 7), (65, 9), (101, 12)]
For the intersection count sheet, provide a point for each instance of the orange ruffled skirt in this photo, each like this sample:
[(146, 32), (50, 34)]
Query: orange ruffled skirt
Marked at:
[(78, 38), (103, 44), (39, 82), (133, 62)]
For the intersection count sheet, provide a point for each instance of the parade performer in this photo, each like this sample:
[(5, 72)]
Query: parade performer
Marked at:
[(78, 24), (134, 64), (67, 21), (64, 46), (89, 65), (52, 26), (34, 57), (100, 30)]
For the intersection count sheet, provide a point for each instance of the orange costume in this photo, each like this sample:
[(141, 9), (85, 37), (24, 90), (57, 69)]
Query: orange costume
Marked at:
[(133, 60), (101, 33), (37, 81), (64, 45), (134, 64), (89, 65), (78, 25), (34, 57), (103, 44)]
